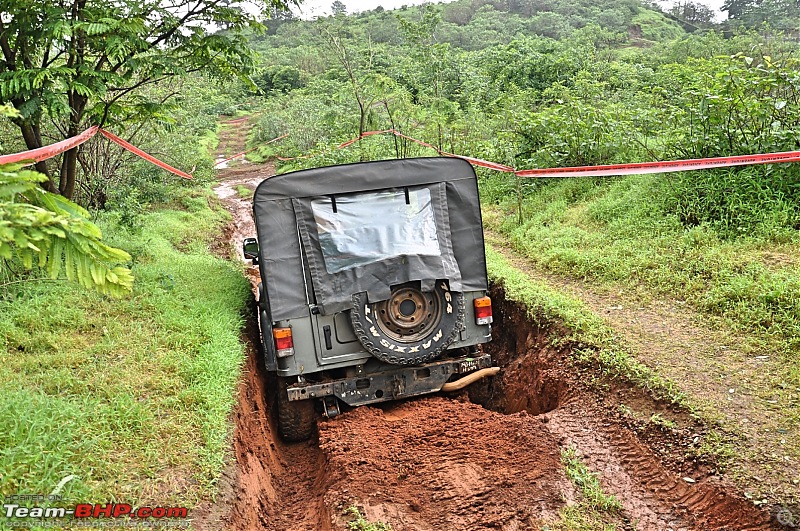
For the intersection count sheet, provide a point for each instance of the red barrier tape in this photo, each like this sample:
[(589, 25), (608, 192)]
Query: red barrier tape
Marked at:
[(663, 167), (285, 159), (46, 152), (149, 158), (364, 135), (251, 149), (608, 170)]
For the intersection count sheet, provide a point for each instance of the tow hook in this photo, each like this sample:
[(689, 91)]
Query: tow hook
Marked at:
[(330, 407)]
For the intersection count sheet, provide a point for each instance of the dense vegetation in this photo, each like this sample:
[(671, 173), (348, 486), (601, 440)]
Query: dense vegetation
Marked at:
[(603, 83), (528, 83)]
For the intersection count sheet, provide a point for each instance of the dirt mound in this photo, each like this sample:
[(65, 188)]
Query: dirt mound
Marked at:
[(654, 492), (437, 463)]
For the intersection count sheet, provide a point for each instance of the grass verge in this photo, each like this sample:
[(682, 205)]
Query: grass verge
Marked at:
[(130, 396), (596, 510), (593, 341), (617, 233)]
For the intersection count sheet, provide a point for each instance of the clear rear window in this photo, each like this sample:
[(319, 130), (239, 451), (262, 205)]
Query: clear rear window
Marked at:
[(374, 226)]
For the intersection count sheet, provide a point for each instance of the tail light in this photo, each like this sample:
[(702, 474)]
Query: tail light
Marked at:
[(483, 310), (284, 345)]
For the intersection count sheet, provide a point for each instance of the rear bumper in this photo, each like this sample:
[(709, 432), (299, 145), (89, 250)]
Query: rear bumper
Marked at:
[(392, 384)]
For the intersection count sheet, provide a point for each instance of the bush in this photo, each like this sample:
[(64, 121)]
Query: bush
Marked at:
[(760, 202)]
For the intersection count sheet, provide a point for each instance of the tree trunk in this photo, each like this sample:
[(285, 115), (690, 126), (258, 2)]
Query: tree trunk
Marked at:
[(69, 163), (69, 169), (33, 140)]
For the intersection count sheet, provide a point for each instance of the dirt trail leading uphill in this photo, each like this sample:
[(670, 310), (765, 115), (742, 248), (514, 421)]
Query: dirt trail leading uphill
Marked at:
[(489, 459)]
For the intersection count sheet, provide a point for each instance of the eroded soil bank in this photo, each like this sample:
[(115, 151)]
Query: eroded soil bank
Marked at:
[(484, 459)]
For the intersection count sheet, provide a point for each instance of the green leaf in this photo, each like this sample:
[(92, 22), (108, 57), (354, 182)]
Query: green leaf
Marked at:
[(54, 260), (49, 228)]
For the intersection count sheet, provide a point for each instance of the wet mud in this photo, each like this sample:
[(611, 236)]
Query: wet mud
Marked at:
[(485, 458)]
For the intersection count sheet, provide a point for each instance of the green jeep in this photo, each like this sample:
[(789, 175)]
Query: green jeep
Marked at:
[(373, 284)]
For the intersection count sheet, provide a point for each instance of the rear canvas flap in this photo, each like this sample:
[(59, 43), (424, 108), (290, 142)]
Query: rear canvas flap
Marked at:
[(370, 241), (284, 210)]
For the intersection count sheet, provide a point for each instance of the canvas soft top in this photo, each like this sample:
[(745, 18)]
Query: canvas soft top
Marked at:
[(283, 208)]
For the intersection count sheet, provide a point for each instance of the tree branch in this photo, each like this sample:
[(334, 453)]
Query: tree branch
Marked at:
[(7, 53)]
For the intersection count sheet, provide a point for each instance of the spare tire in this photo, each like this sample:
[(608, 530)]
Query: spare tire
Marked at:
[(410, 327)]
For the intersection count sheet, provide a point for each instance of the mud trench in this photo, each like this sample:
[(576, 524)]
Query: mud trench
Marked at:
[(488, 457)]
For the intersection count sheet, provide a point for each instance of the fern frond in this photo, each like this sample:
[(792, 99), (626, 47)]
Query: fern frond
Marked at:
[(56, 233)]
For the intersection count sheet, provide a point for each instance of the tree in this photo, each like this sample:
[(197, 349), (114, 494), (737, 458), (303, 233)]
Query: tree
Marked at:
[(435, 75), (738, 8), (63, 64), (693, 12), (46, 229), (338, 8), (356, 63), (277, 17), (781, 15), (274, 79)]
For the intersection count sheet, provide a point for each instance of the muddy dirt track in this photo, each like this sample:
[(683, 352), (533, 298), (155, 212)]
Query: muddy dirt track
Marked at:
[(486, 458)]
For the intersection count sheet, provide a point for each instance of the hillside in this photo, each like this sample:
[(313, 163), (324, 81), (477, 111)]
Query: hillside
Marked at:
[(647, 327)]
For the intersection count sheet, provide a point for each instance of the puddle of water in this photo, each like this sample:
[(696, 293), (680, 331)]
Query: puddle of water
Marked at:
[(221, 163)]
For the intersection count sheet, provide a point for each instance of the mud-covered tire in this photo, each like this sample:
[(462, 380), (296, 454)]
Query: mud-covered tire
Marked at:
[(383, 346), (297, 420)]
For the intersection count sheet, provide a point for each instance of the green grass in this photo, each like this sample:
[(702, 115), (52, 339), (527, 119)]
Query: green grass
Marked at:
[(244, 191), (595, 510), (594, 343), (587, 483), (133, 395), (360, 522), (578, 517), (616, 233)]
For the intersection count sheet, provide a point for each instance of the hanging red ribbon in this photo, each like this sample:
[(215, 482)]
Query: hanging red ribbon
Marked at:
[(149, 158), (608, 169), (43, 153), (46, 152)]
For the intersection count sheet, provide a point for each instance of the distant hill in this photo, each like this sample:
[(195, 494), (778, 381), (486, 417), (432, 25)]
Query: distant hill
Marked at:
[(478, 24)]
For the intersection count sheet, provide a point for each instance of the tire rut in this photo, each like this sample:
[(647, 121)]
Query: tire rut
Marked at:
[(540, 379)]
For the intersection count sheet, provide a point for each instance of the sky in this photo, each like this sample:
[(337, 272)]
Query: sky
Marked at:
[(316, 8)]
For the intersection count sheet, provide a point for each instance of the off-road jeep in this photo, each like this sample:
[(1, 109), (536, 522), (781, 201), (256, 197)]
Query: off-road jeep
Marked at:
[(373, 284)]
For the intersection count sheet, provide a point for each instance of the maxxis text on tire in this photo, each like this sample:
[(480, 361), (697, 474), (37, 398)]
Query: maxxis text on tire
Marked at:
[(397, 339)]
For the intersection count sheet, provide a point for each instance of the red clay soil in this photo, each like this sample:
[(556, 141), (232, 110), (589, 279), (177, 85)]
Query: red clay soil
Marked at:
[(657, 490), (487, 461), (438, 463)]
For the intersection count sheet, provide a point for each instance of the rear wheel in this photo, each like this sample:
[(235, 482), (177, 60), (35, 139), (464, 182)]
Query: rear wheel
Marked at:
[(297, 420)]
